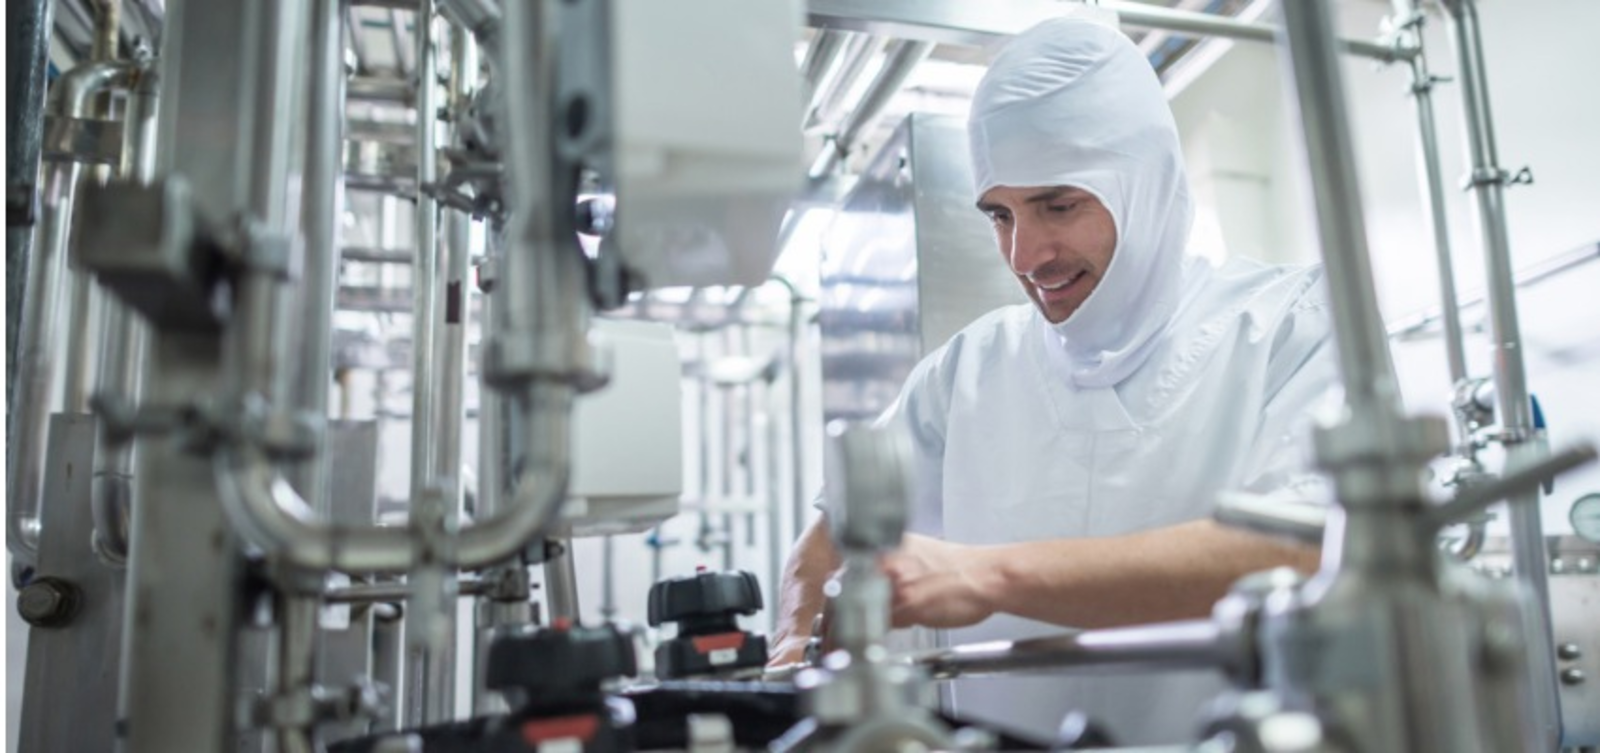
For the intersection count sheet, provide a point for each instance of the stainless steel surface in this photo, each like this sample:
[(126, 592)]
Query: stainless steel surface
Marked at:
[(1512, 407), (69, 690), (991, 23), (1575, 607), (1160, 647), (907, 263), (185, 579), (1574, 567)]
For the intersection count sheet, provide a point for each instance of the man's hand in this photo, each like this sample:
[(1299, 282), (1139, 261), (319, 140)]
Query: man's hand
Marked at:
[(940, 584)]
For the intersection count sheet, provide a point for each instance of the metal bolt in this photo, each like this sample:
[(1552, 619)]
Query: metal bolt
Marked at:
[(1569, 652), (48, 602), (1572, 676)]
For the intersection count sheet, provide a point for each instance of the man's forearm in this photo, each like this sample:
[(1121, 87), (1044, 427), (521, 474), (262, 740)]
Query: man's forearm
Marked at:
[(800, 597), (1169, 573)]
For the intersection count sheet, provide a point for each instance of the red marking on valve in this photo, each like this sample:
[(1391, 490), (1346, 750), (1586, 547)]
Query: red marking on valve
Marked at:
[(705, 644), (560, 728)]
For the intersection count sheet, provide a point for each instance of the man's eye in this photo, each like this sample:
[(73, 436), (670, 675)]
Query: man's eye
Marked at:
[(1063, 208), (999, 218)]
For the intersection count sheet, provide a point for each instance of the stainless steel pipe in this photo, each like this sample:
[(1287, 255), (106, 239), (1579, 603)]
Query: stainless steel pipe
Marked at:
[(561, 585), (1364, 361), (1165, 646), (1513, 408), (124, 342), (40, 328), (1409, 15), (425, 263), (36, 360), (545, 305), (323, 208)]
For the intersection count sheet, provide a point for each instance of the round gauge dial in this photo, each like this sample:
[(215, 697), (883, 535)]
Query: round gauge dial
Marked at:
[(1585, 517)]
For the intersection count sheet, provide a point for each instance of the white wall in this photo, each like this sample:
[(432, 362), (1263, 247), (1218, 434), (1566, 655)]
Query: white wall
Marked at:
[(1541, 60)]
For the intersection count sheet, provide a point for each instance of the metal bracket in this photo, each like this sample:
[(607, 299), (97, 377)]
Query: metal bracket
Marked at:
[(87, 140), (529, 356), (249, 246), (203, 424), (1496, 176)]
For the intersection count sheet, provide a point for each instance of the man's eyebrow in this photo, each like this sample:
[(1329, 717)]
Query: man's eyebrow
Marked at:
[(1051, 194), (989, 208)]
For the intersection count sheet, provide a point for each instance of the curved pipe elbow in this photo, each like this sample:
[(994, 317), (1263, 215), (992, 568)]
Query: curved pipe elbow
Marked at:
[(268, 514), (72, 92), (110, 502)]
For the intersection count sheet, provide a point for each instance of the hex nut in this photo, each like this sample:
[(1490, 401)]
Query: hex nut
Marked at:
[(49, 602)]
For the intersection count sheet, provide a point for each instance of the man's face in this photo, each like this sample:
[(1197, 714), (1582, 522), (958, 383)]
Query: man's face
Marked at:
[(1058, 241)]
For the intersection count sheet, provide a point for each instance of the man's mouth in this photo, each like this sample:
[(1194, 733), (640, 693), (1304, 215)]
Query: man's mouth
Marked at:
[(1059, 289)]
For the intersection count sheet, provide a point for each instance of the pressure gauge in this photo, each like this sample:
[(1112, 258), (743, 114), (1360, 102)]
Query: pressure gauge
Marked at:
[(1585, 517)]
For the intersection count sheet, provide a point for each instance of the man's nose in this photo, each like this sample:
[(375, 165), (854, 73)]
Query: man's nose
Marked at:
[(1030, 248)]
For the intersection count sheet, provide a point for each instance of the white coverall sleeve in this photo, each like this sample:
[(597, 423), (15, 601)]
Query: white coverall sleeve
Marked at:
[(1302, 382), (922, 411)]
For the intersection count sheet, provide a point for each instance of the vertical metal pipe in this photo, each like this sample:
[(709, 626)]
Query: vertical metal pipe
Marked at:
[(608, 578), (255, 338), (84, 304), (323, 206), (776, 546), (108, 21), (1358, 327), (561, 584), (297, 654), (124, 342), (28, 26), (1510, 377), (387, 649), (1411, 20), (797, 476), (35, 365), (425, 260), (451, 354)]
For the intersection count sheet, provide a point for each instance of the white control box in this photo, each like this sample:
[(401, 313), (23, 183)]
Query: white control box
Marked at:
[(627, 437)]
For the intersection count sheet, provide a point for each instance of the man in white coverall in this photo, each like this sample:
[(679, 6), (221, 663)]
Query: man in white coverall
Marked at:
[(1069, 452)]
